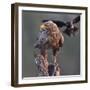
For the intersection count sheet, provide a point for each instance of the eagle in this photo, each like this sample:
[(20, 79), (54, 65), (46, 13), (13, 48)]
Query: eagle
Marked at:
[(51, 36)]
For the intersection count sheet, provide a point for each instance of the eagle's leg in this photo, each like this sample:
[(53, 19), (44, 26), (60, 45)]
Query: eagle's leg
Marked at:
[(54, 59)]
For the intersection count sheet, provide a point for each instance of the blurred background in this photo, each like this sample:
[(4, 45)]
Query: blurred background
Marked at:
[(68, 57)]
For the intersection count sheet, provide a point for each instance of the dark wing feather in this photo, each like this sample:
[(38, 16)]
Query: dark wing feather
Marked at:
[(45, 21), (58, 23), (76, 20)]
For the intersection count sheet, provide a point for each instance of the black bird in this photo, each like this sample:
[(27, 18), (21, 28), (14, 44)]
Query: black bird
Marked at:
[(70, 27)]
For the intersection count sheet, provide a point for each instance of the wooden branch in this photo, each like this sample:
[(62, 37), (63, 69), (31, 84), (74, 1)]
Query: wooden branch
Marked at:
[(46, 69)]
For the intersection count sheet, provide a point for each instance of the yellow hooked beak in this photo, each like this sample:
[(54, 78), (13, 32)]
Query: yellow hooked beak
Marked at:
[(42, 27)]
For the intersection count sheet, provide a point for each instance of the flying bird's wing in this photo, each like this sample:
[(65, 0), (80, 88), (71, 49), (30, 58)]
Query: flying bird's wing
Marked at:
[(70, 27), (58, 23), (76, 20)]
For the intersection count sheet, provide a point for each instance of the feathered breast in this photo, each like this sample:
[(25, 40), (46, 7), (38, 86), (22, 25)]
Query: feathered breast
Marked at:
[(55, 36)]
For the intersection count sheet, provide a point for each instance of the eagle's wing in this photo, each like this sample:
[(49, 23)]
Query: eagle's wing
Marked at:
[(58, 23)]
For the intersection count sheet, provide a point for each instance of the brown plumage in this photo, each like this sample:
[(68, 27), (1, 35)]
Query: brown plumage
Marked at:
[(55, 36), (50, 37)]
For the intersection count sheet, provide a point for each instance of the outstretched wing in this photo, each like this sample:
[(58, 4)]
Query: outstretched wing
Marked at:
[(58, 23), (70, 27), (76, 20)]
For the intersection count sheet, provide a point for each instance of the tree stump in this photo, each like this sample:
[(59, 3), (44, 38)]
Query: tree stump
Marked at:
[(45, 68)]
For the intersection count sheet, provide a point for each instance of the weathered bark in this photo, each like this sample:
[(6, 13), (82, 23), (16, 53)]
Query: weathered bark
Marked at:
[(46, 69)]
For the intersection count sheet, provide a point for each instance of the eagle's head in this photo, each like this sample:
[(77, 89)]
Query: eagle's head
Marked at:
[(42, 37), (50, 26)]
